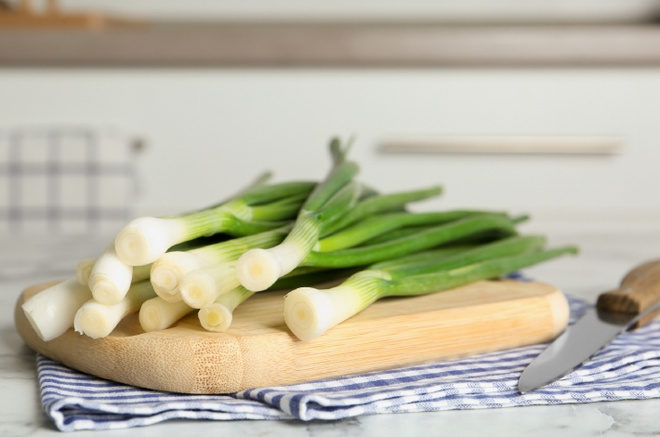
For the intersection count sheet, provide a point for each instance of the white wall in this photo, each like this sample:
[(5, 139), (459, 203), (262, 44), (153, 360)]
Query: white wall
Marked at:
[(210, 131)]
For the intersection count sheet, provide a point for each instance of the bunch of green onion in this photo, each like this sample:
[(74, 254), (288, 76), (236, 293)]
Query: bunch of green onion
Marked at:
[(309, 312), (295, 236)]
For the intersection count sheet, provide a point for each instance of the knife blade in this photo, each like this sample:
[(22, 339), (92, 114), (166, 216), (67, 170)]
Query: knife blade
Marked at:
[(633, 304)]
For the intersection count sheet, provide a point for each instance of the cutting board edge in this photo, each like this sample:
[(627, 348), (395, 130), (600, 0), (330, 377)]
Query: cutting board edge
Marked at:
[(548, 318), (556, 302)]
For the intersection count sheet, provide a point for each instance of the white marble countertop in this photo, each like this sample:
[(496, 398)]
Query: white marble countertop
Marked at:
[(610, 245)]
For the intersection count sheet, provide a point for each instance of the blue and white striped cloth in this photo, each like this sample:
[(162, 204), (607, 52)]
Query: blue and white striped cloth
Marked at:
[(628, 368)]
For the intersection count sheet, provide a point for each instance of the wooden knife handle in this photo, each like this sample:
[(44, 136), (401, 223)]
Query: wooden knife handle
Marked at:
[(639, 290)]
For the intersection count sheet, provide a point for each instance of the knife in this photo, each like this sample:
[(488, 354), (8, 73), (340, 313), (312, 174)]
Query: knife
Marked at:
[(635, 303)]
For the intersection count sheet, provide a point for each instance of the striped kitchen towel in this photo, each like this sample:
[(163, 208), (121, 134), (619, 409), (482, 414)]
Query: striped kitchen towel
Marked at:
[(65, 180), (628, 368)]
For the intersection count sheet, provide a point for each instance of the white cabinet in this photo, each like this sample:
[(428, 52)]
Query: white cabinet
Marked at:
[(210, 131)]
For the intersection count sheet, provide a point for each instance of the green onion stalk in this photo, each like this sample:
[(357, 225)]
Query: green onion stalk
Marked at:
[(258, 269), (168, 271), (84, 270), (94, 273), (423, 239), (408, 231), (309, 312), (109, 278), (51, 311), (204, 285), (98, 320), (379, 203), (218, 315), (444, 258), (157, 314), (258, 209), (383, 224)]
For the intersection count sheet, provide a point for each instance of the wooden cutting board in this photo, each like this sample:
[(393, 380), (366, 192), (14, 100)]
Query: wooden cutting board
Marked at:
[(259, 350)]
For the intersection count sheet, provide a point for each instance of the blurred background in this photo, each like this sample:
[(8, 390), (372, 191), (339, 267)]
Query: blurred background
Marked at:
[(115, 109)]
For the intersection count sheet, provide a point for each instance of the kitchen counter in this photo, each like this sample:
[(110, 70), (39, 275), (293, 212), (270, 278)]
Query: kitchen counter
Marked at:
[(611, 244)]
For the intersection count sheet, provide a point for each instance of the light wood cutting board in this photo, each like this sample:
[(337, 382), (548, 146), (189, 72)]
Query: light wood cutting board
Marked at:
[(259, 350)]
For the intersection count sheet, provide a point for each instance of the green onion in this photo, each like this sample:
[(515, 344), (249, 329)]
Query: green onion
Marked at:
[(110, 281), (218, 315), (258, 269), (110, 278), (443, 259), (84, 269), (145, 239), (426, 238), (337, 233), (202, 286), (395, 234), (213, 287), (52, 310), (487, 269), (168, 271), (97, 320), (424, 257), (310, 312), (379, 203), (157, 314), (384, 223)]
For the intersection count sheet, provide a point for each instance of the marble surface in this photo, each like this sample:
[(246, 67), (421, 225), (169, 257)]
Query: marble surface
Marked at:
[(610, 245)]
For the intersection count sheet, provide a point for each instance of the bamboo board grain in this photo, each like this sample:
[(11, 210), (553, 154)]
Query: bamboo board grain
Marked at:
[(259, 350)]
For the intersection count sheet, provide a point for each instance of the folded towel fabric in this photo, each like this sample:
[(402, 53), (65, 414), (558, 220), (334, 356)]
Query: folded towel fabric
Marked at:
[(65, 179), (628, 368)]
